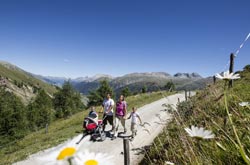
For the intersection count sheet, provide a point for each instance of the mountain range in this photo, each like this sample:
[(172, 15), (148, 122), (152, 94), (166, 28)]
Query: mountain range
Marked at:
[(134, 81), (24, 84), (58, 81)]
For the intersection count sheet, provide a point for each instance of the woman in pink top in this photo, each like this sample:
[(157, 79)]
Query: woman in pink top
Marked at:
[(120, 114)]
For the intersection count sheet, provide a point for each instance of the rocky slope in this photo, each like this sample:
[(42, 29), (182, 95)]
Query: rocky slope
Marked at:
[(21, 83)]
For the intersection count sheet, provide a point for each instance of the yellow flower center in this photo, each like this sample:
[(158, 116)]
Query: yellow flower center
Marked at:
[(66, 152), (91, 162)]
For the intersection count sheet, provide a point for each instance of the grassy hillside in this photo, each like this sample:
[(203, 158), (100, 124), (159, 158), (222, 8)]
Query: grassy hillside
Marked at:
[(22, 83), (194, 85), (61, 130), (208, 109)]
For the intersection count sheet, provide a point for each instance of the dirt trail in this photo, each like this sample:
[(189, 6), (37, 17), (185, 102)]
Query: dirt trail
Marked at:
[(153, 113)]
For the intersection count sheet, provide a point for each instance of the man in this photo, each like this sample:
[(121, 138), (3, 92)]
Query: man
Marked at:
[(120, 114), (108, 105)]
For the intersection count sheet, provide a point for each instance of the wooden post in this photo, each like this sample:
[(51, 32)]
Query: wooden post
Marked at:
[(186, 95), (126, 151), (46, 128), (231, 68)]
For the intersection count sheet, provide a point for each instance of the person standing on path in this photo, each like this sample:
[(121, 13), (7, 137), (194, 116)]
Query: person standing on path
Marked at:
[(134, 116), (108, 105), (120, 115)]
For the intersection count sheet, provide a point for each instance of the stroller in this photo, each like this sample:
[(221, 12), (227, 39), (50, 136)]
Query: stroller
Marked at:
[(93, 128)]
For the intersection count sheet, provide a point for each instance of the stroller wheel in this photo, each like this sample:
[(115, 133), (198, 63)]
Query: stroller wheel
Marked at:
[(93, 138), (103, 136)]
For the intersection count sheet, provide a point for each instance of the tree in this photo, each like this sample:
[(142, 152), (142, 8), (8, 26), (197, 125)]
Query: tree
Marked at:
[(104, 89), (247, 68), (96, 96), (169, 86), (40, 112), (13, 123), (67, 101), (126, 92), (144, 89)]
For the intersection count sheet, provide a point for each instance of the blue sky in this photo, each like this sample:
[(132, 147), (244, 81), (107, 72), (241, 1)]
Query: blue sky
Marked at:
[(78, 38)]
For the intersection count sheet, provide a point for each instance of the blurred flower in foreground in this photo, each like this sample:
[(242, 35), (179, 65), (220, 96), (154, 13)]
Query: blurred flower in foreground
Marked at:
[(88, 158), (67, 155), (66, 152), (199, 133), (227, 76), (243, 104), (70, 156), (168, 163)]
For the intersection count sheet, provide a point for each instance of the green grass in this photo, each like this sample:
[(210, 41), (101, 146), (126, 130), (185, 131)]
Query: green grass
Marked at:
[(207, 109), (61, 130)]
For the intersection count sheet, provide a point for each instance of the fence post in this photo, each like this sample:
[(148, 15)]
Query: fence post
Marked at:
[(214, 79), (231, 68), (186, 95), (46, 128), (126, 151)]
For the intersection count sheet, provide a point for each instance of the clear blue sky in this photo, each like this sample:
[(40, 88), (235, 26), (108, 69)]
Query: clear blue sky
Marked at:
[(78, 38)]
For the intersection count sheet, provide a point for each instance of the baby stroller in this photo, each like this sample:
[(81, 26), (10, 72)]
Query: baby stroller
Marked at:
[(93, 128)]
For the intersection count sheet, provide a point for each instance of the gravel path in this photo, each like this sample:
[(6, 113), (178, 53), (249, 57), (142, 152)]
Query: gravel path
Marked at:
[(153, 113)]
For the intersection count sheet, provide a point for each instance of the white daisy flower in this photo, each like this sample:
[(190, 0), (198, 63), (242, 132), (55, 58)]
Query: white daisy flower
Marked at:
[(227, 76), (88, 158), (243, 104), (199, 132)]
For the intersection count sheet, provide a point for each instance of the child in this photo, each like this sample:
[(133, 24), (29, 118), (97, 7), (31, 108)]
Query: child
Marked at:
[(134, 115), (91, 118), (93, 115)]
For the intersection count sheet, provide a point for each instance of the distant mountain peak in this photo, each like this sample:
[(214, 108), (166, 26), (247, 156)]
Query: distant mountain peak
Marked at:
[(97, 76), (93, 78), (151, 74), (187, 75), (80, 79)]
